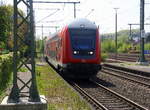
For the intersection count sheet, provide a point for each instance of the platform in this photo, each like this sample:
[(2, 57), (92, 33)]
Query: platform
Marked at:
[(132, 65)]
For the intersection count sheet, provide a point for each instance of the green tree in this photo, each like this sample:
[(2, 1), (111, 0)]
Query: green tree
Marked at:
[(123, 41), (6, 13), (6, 28), (108, 46)]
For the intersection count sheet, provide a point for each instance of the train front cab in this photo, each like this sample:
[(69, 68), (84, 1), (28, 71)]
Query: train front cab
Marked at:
[(82, 53)]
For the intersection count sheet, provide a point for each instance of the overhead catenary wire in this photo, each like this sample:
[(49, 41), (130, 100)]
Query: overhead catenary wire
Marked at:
[(89, 13), (52, 21), (48, 16), (46, 9)]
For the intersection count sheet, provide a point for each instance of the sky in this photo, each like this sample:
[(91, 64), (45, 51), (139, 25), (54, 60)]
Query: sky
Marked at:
[(99, 11)]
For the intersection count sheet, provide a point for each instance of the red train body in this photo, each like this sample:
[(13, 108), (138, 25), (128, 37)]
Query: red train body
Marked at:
[(75, 50)]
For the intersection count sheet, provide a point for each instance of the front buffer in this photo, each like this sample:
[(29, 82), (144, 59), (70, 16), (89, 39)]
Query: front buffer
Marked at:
[(80, 70)]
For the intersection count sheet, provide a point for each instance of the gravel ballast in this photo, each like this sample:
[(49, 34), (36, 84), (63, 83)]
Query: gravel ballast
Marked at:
[(135, 92)]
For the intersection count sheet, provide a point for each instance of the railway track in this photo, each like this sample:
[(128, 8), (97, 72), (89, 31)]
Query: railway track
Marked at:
[(132, 77), (103, 98), (95, 103)]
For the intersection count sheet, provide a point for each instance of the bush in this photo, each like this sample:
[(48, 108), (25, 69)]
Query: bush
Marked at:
[(108, 46), (147, 46), (5, 70), (4, 52), (124, 48), (104, 56)]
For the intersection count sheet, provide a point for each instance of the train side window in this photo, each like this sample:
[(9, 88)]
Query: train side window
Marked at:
[(60, 42)]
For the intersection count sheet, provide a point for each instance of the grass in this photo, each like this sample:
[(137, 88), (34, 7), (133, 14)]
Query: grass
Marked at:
[(23, 69), (57, 92)]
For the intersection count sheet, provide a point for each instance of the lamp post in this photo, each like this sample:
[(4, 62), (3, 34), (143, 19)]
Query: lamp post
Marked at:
[(116, 29)]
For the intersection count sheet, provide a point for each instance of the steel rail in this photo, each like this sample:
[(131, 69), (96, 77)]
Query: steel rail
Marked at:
[(127, 78), (120, 96), (128, 73), (89, 97)]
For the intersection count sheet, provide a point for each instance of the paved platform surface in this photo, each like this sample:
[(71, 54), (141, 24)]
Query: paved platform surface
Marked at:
[(132, 65)]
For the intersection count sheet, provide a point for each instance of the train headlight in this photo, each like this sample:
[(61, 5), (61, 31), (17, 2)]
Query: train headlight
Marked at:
[(91, 53), (74, 52)]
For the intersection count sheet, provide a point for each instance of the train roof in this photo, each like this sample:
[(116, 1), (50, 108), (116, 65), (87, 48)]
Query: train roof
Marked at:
[(82, 23)]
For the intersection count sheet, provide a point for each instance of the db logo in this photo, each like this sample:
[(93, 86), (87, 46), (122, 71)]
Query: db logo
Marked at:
[(83, 60)]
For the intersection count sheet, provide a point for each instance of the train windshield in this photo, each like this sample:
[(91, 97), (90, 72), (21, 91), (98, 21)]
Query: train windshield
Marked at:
[(83, 39), (83, 43)]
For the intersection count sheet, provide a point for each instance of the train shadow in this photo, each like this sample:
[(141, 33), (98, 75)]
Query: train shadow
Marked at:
[(103, 82), (86, 83)]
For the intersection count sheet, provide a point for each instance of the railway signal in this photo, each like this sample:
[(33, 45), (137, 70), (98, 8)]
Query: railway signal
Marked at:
[(130, 26)]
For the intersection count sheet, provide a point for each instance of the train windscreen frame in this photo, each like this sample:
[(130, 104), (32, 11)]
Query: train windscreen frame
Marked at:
[(83, 42)]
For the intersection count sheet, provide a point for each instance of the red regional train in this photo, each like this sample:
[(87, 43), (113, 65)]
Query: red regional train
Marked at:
[(75, 50)]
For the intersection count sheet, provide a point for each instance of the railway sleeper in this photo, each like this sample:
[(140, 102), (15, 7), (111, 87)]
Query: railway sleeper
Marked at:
[(110, 101), (127, 107)]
